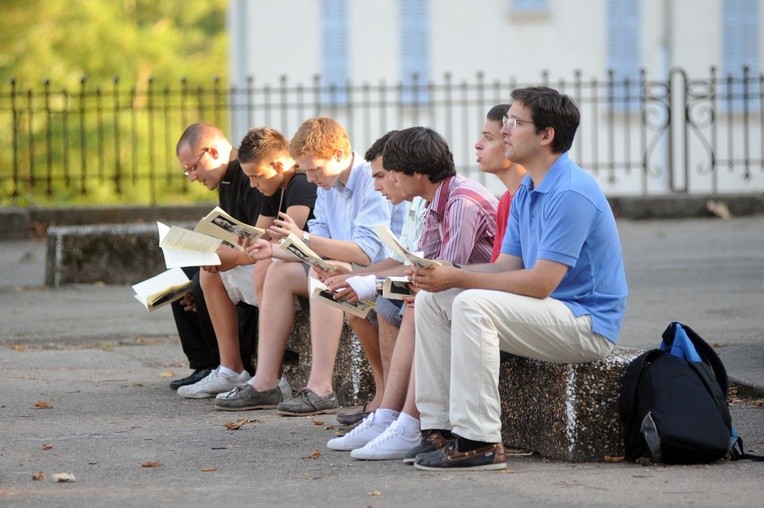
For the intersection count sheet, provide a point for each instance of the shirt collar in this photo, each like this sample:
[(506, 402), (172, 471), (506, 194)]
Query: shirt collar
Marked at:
[(438, 203), (552, 176)]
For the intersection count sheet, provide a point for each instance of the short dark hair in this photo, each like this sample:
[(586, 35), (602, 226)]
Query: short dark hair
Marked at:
[(419, 150), (497, 113), (261, 142), (375, 150), (550, 108)]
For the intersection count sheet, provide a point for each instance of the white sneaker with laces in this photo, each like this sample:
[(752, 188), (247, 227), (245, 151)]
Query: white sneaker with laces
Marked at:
[(356, 438), (393, 443), (213, 384)]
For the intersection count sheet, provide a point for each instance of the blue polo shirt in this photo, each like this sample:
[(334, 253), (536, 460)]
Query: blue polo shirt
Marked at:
[(567, 219)]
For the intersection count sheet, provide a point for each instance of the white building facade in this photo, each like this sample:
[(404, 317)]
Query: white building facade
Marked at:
[(385, 64)]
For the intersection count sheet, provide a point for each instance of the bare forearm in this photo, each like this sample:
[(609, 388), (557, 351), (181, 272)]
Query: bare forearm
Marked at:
[(341, 250)]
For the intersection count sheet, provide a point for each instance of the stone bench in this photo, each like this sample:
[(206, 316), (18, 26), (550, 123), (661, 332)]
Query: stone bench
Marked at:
[(564, 411), (130, 253)]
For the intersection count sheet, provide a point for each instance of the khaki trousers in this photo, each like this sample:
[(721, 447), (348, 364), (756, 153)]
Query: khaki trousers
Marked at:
[(459, 334)]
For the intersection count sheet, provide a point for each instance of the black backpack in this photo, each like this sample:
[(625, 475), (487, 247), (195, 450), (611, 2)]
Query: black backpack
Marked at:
[(674, 403)]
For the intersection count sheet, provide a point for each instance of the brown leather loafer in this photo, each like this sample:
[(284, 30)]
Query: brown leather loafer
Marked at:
[(490, 457)]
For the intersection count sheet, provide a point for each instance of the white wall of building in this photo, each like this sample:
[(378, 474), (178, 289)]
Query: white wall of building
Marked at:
[(271, 39)]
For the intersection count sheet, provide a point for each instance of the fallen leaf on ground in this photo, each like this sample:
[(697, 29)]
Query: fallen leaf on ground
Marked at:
[(613, 459), (331, 427), (314, 454), (47, 447), (150, 463), (41, 404), (375, 493), (167, 374), (506, 471), (18, 347), (239, 423), (39, 475), (64, 477), (209, 469), (315, 420)]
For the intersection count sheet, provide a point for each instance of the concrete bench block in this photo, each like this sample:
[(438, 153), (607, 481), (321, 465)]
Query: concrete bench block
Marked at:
[(564, 411), (353, 381), (112, 254)]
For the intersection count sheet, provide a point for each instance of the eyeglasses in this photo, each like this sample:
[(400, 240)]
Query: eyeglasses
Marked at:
[(195, 165), (512, 122)]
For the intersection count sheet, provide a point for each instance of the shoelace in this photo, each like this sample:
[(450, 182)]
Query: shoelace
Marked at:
[(365, 424), (389, 434), (233, 391)]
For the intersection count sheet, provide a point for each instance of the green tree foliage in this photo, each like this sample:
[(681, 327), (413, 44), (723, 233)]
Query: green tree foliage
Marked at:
[(134, 39), (90, 114)]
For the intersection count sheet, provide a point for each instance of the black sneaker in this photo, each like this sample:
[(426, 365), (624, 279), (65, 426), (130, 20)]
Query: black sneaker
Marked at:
[(196, 376), (432, 440)]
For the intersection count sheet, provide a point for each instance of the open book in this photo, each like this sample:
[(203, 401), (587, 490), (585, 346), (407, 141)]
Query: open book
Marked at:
[(388, 238), (297, 247), (319, 291), (162, 289), (221, 225), (183, 247), (396, 287)]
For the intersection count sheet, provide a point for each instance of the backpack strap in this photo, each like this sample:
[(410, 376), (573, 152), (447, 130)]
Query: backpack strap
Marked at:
[(737, 452), (705, 351), (630, 381)]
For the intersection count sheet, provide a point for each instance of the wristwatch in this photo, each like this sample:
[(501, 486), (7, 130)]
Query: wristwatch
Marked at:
[(306, 238)]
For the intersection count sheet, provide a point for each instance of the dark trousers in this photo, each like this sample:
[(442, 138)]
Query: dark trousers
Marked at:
[(197, 336)]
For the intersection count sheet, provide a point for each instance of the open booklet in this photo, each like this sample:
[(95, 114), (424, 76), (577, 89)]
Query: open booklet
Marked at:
[(297, 247), (388, 238), (183, 247), (319, 291), (396, 287), (221, 225), (162, 289)]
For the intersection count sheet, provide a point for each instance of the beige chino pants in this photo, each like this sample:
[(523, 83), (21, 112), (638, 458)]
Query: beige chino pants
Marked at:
[(459, 334)]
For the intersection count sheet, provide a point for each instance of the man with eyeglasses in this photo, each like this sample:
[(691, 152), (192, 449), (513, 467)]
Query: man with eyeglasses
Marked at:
[(206, 156), (557, 291)]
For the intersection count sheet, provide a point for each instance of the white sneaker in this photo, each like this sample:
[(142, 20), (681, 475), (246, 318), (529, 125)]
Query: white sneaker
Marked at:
[(356, 438), (214, 383), (391, 444), (284, 386)]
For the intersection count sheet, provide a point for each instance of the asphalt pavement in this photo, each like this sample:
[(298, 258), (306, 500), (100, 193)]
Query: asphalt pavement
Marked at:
[(84, 390)]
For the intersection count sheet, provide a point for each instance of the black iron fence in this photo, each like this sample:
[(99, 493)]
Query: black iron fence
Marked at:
[(116, 143)]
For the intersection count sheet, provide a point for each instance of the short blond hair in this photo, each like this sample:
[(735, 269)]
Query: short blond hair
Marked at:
[(320, 137)]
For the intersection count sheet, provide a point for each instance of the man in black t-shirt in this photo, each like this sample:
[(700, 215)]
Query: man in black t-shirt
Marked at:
[(267, 167), (207, 157)]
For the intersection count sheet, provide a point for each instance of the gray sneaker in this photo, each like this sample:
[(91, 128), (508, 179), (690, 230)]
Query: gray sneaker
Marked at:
[(243, 397), (306, 402)]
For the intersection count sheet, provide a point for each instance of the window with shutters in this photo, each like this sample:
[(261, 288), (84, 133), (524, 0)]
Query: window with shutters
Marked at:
[(739, 90), (529, 5), (334, 51), (414, 50), (623, 52)]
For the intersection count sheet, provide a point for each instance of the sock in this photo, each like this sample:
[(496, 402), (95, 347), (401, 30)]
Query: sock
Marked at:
[(409, 424), (384, 417), (465, 445), (228, 372)]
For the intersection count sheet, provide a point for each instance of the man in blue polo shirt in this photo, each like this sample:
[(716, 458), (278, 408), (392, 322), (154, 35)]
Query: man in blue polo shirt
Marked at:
[(556, 293)]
